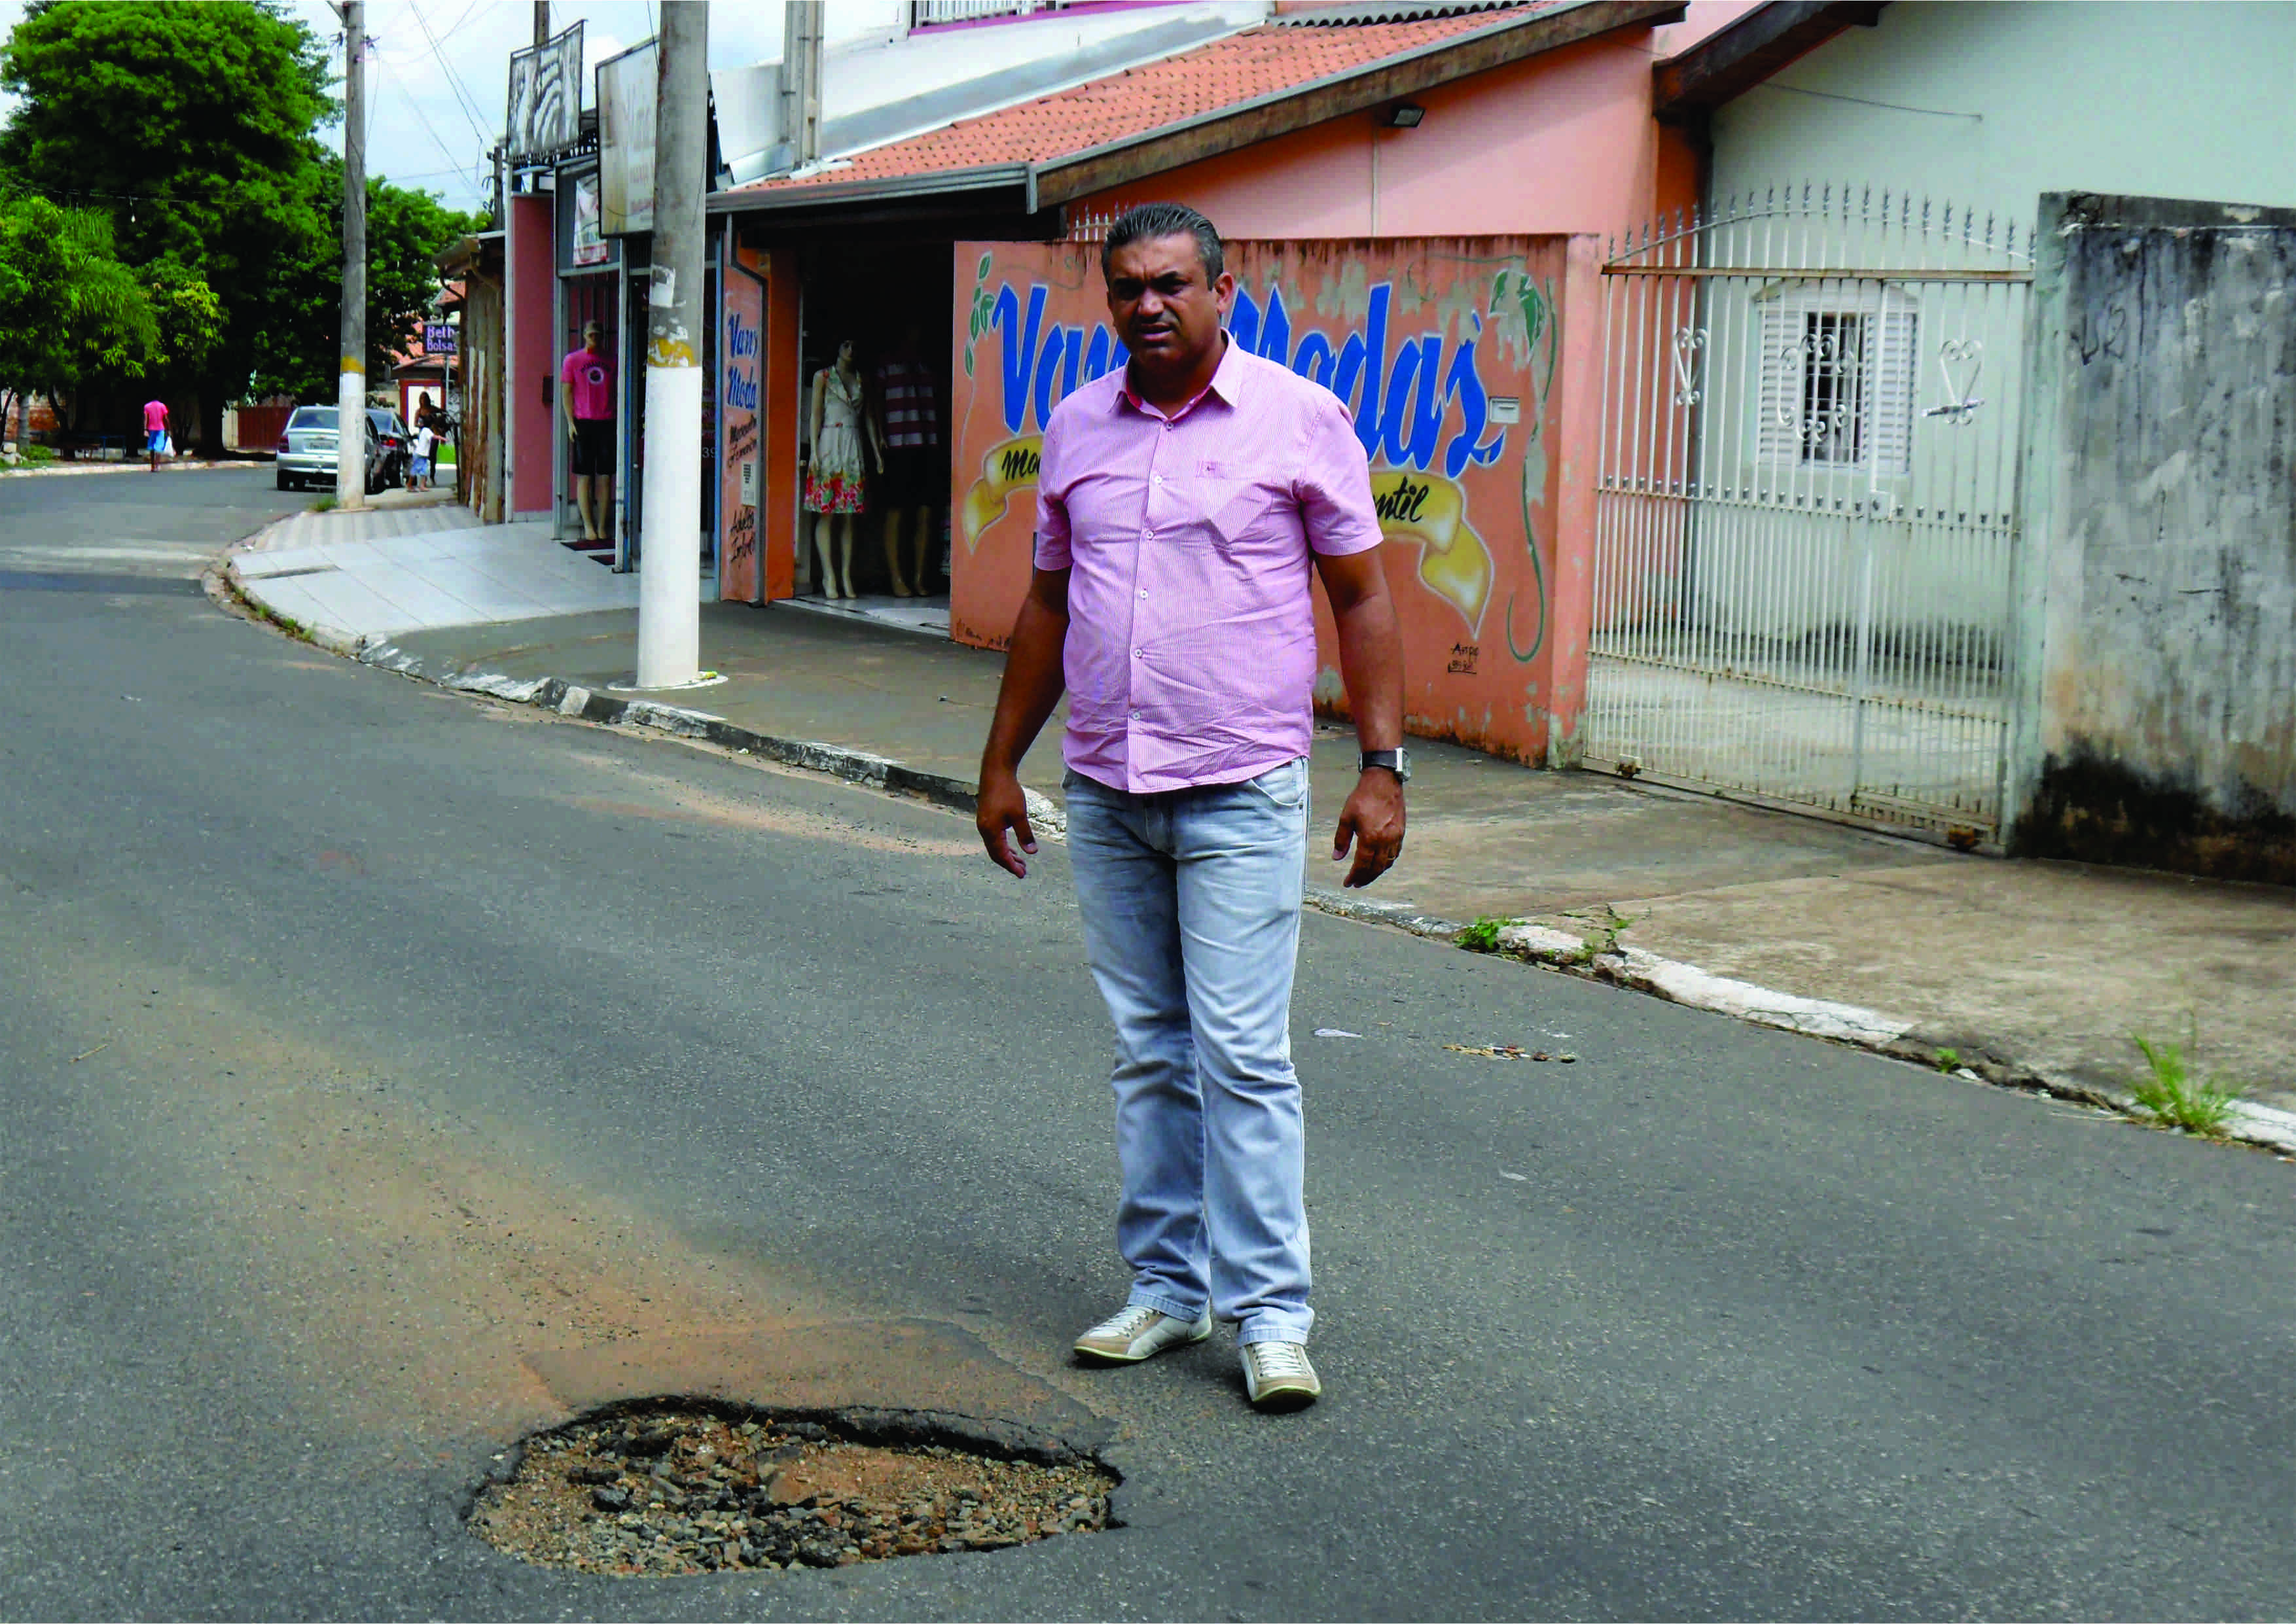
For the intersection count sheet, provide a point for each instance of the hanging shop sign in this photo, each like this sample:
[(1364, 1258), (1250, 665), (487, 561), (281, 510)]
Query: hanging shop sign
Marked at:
[(545, 98), (626, 98)]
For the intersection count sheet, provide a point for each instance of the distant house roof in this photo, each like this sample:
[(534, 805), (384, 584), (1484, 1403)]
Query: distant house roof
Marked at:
[(1247, 87)]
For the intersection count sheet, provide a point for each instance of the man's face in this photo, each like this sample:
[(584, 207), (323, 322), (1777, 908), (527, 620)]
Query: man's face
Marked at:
[(593, 340), (1167, 315)]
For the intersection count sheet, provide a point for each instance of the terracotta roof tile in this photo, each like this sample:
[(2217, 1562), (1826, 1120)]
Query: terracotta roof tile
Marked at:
[(1257, 62)]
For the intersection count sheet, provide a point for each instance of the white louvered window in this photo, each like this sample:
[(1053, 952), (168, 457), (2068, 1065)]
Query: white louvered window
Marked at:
[(1837, 378)]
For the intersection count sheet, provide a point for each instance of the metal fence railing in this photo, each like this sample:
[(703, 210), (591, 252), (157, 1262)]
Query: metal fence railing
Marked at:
[(1806, 508)]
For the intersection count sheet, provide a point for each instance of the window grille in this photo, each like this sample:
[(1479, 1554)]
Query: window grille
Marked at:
[(1837, 378)]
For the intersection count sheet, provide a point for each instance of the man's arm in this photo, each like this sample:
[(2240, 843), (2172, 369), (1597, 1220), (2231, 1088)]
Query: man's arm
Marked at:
[(1031, 688), (1371, 663), (566, 402)]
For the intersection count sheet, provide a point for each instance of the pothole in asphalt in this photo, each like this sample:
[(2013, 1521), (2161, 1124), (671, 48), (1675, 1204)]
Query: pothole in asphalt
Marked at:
[(674, 1489)]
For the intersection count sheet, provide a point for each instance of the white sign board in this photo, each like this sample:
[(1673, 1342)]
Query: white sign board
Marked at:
[(627, 86)]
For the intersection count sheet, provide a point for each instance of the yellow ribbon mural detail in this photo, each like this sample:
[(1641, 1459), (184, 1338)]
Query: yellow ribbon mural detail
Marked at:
[(1431, 514), (1006, 468)]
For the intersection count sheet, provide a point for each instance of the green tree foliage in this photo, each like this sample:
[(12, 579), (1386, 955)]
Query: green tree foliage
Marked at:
[(193, 124), (404, 228), (72, 311)]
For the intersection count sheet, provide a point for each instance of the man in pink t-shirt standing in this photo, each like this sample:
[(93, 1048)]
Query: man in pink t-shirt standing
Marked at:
[(585, 400), (155, 430), (1185, 504)]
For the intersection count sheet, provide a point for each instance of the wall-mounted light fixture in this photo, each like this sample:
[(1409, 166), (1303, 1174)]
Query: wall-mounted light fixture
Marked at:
[(1405, 116)]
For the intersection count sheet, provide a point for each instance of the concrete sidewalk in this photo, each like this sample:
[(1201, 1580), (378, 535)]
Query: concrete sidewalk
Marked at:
[(2031, 974)]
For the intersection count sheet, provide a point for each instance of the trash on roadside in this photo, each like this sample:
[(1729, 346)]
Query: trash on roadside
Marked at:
[(1335, 1031), (1507, 1051)]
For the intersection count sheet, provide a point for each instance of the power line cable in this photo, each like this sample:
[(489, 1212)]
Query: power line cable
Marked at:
[(463, 99), (415, 107)]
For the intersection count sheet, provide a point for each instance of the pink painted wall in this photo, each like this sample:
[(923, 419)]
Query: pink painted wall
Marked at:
[(532, 386), (1563, 143)]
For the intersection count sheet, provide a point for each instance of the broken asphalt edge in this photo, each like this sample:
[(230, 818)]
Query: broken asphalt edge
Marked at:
[(1632, 968)]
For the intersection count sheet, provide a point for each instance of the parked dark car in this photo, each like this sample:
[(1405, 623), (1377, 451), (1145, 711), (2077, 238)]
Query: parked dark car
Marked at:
[(397, 445), (307, 448)]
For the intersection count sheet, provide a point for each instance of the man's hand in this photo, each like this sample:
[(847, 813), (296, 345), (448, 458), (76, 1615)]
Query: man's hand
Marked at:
[(1003, 805), (1372, 821)]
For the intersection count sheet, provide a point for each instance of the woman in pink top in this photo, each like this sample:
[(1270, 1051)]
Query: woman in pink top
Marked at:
[(155, 430)]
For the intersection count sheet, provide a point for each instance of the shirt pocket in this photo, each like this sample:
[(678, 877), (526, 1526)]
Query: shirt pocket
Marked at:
[(1232, 498)]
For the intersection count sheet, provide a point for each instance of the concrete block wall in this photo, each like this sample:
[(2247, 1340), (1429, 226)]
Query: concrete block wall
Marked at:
[(2158, 726)]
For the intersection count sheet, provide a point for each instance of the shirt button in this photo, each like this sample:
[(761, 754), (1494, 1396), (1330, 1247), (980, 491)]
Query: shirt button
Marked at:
[(1136, 715), (1136, 653), (1143, 591), (1155, 478)]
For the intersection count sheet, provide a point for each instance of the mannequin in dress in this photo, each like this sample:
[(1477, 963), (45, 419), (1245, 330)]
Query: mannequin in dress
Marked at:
[(836, 488)]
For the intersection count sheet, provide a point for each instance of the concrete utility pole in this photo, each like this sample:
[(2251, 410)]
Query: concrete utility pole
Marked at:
[(541, 22), (670, 557), (801, 80), (350, 386)]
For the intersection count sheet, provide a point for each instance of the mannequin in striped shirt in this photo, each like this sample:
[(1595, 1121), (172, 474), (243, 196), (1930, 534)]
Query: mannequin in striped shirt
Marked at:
[(908, 405)]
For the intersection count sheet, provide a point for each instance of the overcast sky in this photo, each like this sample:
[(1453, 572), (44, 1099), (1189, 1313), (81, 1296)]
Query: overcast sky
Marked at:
[(438, 74)]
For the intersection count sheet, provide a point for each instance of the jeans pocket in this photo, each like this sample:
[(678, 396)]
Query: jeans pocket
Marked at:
[(1285, 786)]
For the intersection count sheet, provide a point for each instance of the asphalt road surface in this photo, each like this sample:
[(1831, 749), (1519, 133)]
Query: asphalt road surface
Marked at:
[(374, 1056)]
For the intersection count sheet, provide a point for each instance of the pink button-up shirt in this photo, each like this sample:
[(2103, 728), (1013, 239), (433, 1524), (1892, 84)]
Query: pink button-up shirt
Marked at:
[(1191, 655)]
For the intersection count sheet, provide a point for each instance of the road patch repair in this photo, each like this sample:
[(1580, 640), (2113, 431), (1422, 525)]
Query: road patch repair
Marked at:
[(673, 1488)]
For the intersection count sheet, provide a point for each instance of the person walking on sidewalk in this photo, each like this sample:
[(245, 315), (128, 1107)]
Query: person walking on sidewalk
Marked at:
[(585, 400), (1181, 504), (155, 431)]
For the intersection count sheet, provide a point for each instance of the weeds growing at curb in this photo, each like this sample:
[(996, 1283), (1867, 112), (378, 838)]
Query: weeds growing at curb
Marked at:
[(262, 611), (1483, 936), (1608, 929), (325, 504), (1948, 1060), (2172, 1096)]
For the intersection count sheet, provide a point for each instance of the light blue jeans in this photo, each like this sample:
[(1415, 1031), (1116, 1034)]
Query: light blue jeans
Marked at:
[(1190, 905)]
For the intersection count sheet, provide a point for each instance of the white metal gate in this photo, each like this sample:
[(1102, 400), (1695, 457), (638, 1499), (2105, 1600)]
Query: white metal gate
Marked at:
[(1806, 509)]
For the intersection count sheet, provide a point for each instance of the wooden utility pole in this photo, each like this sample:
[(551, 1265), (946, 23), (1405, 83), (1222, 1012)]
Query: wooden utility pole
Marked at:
[(351, 384)]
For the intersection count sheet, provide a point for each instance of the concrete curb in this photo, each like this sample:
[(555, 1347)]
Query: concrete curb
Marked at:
[(127, 466), (1629, 967), (1976, 1060)]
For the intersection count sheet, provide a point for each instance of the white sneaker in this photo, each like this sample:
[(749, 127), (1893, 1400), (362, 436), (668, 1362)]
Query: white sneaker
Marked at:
[(1277, 1376), (1139, 1332)]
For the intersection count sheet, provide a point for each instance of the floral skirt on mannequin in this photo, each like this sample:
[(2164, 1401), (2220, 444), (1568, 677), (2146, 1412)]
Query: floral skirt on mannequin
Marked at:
[(834, 482)]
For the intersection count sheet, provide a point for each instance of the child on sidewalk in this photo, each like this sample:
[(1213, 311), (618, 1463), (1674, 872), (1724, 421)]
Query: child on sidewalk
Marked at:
[(418, 472)]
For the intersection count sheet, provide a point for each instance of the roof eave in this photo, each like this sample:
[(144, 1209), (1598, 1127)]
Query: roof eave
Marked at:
[(1733, 58), (1048, 182), (828, 194)]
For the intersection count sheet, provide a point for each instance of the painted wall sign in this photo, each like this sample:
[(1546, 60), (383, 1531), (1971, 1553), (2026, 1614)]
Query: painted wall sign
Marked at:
[(1447, 354), (740, 334)]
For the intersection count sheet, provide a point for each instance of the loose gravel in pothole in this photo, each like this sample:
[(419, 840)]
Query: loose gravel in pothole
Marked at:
[(682, 1492)]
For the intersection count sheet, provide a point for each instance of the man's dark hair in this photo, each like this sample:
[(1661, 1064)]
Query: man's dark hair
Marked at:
[(1166, 220)]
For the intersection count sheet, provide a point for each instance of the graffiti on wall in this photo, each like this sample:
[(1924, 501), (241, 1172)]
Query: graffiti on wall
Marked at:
[(1422, 407), (1444, 353)]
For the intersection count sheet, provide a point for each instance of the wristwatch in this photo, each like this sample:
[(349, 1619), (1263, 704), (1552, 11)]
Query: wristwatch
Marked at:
[(1398, 761)]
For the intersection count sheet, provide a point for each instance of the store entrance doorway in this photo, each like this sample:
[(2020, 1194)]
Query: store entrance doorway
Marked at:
[(873, 512)]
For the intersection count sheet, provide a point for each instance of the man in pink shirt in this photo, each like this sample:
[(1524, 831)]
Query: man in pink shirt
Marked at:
[(155, 431), (1181, 504)]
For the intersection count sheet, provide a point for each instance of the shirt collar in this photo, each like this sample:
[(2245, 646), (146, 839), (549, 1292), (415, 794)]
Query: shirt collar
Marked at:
[(1227, 382)]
